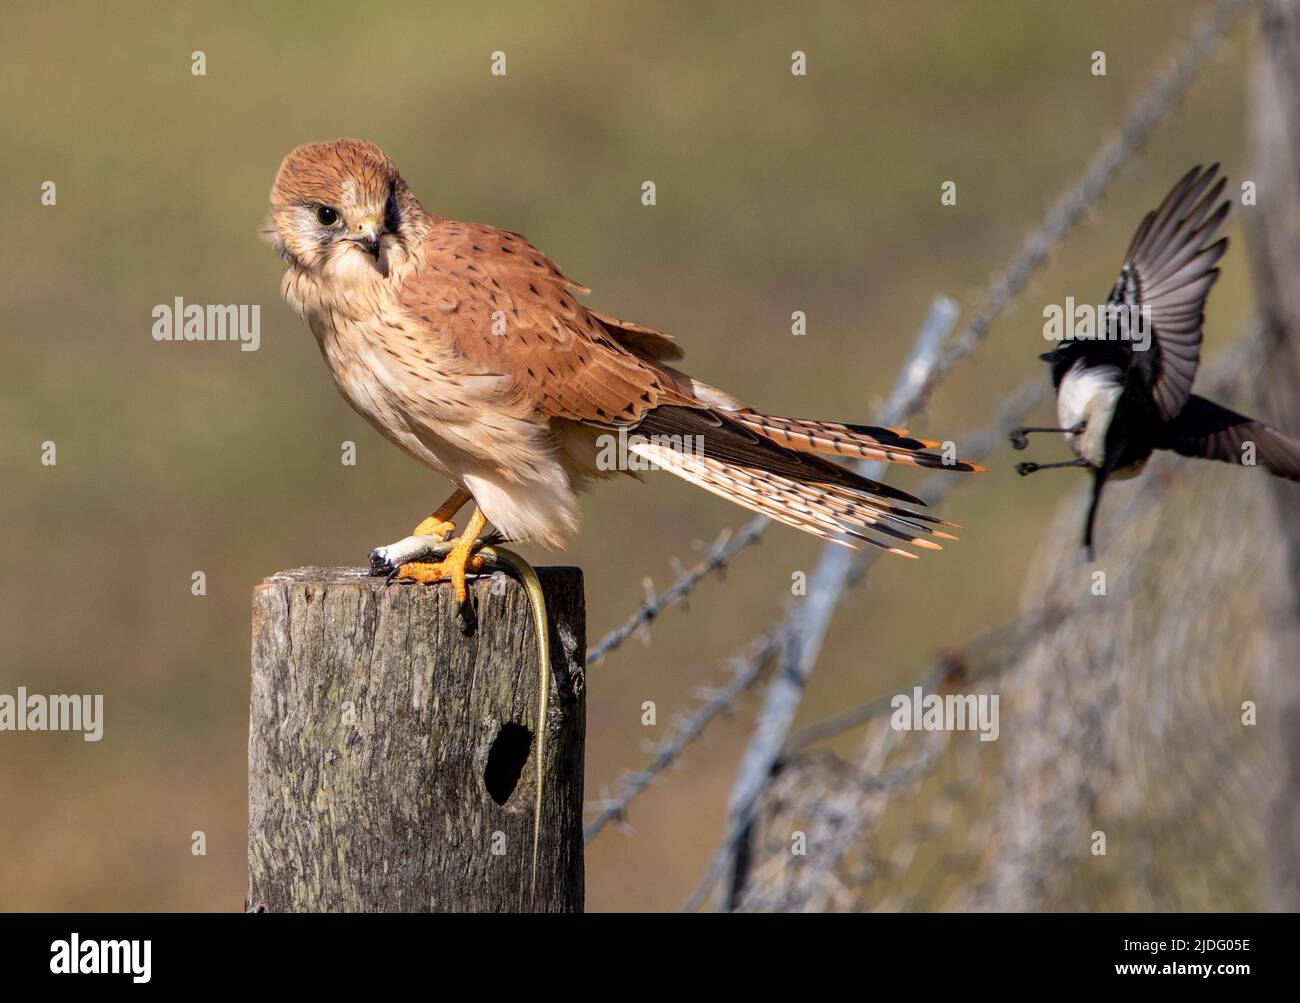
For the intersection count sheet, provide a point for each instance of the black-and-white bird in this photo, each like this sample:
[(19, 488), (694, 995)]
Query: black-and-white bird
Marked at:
[(1124, 394)]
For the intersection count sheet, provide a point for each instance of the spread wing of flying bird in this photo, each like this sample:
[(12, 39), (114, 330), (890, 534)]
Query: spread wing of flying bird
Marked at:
[(1168, 271)]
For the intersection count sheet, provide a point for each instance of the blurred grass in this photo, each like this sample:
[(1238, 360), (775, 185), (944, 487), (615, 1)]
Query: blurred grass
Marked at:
[(775, 193)]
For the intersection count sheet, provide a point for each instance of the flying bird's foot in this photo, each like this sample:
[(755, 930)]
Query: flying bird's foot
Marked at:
[(1024, 469), (1020, 435)]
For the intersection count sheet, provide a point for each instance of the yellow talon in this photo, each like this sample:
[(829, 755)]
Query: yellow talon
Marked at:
[(454, 566), (433, 526), (427, 574), (439, 524)]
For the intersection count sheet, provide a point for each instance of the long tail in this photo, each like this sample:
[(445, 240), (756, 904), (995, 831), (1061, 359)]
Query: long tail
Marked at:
[(1213, 432), (866, 442), (1098, 483), (752, 460)]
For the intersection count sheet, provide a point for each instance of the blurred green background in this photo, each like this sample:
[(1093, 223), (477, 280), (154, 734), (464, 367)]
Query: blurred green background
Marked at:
[(775, 193)]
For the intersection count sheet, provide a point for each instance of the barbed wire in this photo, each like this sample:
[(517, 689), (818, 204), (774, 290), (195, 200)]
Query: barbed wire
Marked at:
[(873, 790), (971, 661), (727, 545), (717, 701)]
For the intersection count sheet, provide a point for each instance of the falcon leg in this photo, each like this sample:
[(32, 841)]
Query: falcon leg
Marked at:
[(439, 524), (455, 565)]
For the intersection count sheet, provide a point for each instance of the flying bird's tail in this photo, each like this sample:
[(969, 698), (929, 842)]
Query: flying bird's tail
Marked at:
[(766, 464), (1210, 431), (1098, 484)]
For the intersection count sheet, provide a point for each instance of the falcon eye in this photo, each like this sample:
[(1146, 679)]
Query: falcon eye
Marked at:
[(327, 216)]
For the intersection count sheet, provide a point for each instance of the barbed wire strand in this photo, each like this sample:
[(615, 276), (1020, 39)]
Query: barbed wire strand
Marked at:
[(978, 657), (716, 702), (727, 545)]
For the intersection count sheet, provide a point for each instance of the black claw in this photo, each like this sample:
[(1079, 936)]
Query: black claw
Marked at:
[(1019, 438), (467, 614), (1024, 469)]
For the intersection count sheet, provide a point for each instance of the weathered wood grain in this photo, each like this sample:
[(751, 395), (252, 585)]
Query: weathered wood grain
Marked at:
[(373, 720)]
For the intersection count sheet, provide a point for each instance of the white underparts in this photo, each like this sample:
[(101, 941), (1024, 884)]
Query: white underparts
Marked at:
[(1089, 395), (543, 510)]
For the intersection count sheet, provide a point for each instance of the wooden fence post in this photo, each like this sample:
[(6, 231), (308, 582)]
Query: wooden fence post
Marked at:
[(391, 756)]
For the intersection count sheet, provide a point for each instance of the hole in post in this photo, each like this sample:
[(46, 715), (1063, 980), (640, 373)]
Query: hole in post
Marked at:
[(506, 759)]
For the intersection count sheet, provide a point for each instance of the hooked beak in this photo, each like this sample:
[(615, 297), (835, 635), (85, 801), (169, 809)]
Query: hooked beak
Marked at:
[(368, 234)]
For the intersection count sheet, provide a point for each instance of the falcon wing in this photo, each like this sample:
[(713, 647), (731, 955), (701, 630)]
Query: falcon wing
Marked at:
[(1169, 269), (502, 305), (641, 340)]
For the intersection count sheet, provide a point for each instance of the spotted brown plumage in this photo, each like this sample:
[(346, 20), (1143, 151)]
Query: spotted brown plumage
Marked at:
[(500, 304), (468, 348)]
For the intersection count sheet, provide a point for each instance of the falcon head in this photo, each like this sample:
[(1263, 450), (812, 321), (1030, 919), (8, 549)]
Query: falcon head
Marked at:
[(341, 207)]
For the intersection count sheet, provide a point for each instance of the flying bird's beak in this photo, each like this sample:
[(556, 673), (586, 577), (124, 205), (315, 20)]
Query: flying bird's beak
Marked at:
[(367, 236), (1049, 356)]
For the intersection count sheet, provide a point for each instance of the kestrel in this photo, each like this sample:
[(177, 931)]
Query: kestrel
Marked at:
[(1121, 396), (467, 348)]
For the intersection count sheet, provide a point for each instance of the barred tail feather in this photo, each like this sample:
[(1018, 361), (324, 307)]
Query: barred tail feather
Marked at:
[(827, 512), (866, 442)]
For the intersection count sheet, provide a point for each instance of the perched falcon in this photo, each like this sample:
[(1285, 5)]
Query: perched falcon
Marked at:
[(1120, 397), (466, 347)]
